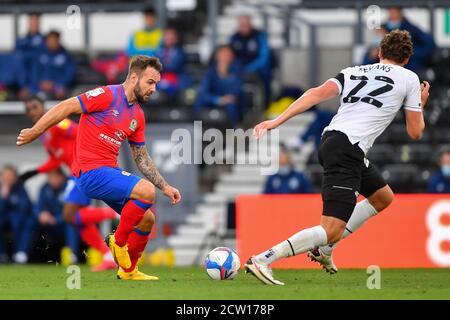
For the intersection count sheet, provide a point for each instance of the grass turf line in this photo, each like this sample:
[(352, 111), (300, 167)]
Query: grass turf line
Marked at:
[(49, 282)]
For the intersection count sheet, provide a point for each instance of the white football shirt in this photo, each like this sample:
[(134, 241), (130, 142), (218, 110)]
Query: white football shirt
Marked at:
[(371, 95)]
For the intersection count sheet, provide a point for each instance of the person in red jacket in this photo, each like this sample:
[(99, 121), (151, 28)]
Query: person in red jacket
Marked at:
[(59, 143)]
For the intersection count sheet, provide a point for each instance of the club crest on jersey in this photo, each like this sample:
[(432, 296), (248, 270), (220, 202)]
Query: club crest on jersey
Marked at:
[(94, 92), (115, 112), (133, 125)]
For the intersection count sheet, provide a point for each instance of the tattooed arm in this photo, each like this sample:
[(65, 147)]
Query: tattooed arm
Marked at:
[(148, 168), (146, 165)]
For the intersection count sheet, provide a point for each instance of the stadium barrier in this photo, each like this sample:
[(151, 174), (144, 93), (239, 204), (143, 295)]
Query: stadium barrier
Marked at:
[(414, 232)]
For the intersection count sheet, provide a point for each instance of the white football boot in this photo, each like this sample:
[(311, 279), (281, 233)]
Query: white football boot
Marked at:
[(317, 255), (261, 271)]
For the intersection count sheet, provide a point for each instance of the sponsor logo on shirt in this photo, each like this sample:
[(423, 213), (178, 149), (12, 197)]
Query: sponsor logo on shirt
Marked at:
[(115, 112), (109, 140), (94, 93), (120, 135)]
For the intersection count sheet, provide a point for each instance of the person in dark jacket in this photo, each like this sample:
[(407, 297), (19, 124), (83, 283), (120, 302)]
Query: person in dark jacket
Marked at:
[(423, 43), (221, 86), (287, 180), (173, 58), (251, 47), (55, 69), (440, 181), (49, 212), (28, 49), (15, 213), (371, 55)]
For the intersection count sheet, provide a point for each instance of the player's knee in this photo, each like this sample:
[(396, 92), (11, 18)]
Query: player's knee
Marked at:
[(383, 200), (144, 190), (148, 220)]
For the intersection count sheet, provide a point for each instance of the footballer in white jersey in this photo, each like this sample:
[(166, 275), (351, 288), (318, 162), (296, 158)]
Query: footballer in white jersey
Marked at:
[(370, 97)]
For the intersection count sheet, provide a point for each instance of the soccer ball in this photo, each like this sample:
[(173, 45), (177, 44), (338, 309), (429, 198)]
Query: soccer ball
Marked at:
[(222, 263)]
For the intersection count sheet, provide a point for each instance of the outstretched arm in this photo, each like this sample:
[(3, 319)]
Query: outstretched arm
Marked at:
[(55, 115), (310, 98), (148, 168)]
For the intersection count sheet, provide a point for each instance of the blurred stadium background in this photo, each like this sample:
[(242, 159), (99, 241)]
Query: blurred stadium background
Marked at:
[(308, 42)]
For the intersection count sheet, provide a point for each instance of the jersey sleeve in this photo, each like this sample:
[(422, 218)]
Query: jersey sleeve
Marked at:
[(95, 100), (412, 101), (138, 136), (339, 80)]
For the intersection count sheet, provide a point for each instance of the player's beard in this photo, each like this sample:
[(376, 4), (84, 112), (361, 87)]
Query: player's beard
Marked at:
[(140, 97)]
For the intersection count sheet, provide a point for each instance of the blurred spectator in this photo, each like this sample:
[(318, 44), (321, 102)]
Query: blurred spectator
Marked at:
[(15, 212), (28, 48), (148, 40), (314, 130), (251, 47), (49, 213), (173, 58), (55, 69), (287, 180), (423, 43), (10, 74), (222, 85), (440, 181), (371, 55)]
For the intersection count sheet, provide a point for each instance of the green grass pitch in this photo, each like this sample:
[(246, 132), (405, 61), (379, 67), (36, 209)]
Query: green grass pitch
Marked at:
[(49, 282)]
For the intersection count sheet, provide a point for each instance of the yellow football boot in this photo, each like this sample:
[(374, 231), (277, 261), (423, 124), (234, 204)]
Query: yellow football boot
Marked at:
[(134, 275), (120, 254)]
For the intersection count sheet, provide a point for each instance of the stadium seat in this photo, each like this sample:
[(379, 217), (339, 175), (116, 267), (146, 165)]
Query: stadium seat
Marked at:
[(413, 153), (215, 118), (441, 135), (400, 176), (381, 154), (169, 114)]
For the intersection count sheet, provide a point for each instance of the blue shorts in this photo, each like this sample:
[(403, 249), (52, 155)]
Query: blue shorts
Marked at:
[(73, 194), (111, 185)]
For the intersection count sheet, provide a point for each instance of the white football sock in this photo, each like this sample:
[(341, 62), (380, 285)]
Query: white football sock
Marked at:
[(363, 211), (300, 242)]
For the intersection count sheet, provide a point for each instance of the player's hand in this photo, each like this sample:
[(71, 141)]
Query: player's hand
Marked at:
[(26, 136), (424, 92), (172, 193), (264, 126)]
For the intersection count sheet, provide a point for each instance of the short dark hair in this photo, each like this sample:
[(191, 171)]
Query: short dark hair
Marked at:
[(150, 11), (54, 33), (140, 62), (34, 98), (396, 46)]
